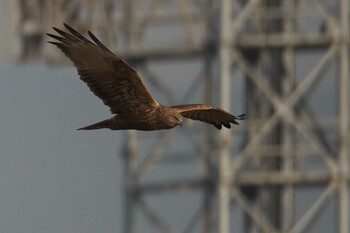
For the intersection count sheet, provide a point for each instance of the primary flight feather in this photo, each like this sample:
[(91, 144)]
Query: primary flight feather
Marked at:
[(121, 88)]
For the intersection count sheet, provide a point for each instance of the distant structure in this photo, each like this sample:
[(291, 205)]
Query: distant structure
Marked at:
[(249, 179)]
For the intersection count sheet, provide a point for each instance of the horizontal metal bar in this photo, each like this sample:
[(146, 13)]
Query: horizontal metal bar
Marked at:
[(281, 178), (194, 52), (258, 40)]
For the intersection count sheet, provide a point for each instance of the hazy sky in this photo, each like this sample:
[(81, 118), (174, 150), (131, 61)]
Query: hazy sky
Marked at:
[(56, 179)]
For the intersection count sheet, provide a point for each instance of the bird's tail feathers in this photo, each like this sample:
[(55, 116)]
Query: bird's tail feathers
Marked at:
[(99, 125)]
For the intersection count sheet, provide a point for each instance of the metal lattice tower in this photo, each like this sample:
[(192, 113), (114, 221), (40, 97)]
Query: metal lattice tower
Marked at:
[(284, 49)]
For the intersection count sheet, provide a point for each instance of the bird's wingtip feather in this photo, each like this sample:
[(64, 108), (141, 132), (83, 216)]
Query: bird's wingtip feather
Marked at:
[(68, 27), (53, 42), (241, 117)]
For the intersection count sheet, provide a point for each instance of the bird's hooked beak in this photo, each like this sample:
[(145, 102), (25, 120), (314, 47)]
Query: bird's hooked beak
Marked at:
[(180, 122)]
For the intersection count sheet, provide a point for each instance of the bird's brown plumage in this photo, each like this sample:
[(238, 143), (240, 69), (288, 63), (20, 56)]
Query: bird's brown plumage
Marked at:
[(121, 88)]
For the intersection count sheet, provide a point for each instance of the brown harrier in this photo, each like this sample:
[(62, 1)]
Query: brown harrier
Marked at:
[(120, 87)]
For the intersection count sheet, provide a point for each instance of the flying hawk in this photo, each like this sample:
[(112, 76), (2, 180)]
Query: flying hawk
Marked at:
[(121, 88)]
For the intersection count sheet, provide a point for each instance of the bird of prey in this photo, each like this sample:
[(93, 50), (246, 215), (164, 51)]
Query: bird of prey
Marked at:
[(121, 88)]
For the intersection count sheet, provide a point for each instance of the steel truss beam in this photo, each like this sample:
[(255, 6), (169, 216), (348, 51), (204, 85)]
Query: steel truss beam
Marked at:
[(287, 110)]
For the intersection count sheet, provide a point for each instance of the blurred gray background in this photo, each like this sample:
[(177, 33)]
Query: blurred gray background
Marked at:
[(56, 179)]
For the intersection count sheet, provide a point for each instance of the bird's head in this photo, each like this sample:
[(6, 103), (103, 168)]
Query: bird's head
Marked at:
[(173, 118)]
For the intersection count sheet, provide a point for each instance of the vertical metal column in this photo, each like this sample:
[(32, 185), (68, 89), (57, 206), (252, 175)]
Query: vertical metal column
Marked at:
[(344, 119), (289, 137), (130, 159), (275, 76), (225, 42), (131, 150), (10, 16)]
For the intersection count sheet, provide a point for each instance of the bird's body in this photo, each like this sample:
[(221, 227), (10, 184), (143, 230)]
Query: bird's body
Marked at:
[(121, 88), (152, 120)]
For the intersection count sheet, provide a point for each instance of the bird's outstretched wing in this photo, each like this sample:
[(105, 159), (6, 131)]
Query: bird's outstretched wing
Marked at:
[(110, 78), (209, 114)]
